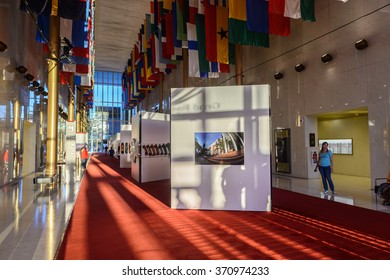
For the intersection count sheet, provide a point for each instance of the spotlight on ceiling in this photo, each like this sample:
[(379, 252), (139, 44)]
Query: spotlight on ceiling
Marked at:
[(278, 75), (299, 67), (21, 69), (325, 58), (29, 77), (41, 89), (35, 84), (361, 44), (44, 93), (3, 47)]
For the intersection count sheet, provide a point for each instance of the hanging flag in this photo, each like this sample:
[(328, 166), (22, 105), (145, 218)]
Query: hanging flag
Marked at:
[(278, 23), (42, 35), (300, 9), (204, 64), (308, 10), (211, 37), (169, 33), (210, 14), (70, 9), (80, 34), (257, 15), (222, 34), (292, 9), (167, 5), (238, 31), (181, 19), (193, 61), (66, 28)]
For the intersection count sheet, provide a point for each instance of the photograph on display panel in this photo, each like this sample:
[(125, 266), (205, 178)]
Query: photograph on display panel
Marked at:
[(219, 148)]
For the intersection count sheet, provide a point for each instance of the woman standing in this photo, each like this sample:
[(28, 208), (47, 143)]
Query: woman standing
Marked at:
[(324, 164)]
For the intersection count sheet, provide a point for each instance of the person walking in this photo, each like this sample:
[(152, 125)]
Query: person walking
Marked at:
[(325, 166), (84, 156), (112, 152)]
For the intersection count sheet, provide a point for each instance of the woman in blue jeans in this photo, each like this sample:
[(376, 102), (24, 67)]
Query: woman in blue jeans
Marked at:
[(324, 164)]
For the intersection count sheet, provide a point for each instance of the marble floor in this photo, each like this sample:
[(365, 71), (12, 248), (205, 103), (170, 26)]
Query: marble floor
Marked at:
[(33, 217)]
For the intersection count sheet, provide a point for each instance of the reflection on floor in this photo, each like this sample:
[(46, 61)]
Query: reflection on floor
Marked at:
[(33, 218), (351, 190)]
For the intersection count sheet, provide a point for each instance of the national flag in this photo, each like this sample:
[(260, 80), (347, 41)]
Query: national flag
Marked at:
[(308, 10), (204, 64), (238, 31), (292, 9), (80, 33), (257, 15), (278, 23), (193, 61), (211, 37), (176, 40), (170, 47), (42, 34), (66, 28), (167, 5), (195, 27), (83, 80), (70, 9), (210, 13), (300, 9), (181, 19), (222, 34)]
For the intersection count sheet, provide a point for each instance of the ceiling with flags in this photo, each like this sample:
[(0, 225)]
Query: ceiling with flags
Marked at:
[(117, 24)]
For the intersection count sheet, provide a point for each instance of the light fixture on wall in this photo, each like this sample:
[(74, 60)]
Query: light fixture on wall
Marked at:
[(29, 77), (21, 69), (3, 46), (278, 75), (325, 58), (361, 44), (299, 67)]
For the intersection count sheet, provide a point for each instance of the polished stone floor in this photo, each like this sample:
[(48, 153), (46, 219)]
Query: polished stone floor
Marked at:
[(33, 217)]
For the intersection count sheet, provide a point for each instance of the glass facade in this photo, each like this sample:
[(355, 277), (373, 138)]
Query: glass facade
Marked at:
[(105, 117)]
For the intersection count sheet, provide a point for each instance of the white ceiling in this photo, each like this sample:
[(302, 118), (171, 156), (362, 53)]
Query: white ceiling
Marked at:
[(117, 23)]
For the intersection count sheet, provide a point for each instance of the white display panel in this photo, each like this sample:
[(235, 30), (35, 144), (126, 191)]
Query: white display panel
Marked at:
[(151, 130), (228, 116), (125, 140), (134, 151)]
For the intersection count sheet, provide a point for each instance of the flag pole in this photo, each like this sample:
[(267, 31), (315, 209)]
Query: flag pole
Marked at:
[(238, 64), (161, 79), (185, 67)]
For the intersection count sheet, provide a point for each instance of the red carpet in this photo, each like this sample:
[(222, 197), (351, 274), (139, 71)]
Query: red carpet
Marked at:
[(115, 219)]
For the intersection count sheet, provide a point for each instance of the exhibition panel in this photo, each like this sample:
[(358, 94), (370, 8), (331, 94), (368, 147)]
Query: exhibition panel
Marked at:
[(124, 156), (220, 156), (149, 147)]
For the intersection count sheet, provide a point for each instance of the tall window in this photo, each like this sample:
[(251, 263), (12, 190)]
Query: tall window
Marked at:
[(105, 115)]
